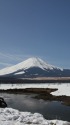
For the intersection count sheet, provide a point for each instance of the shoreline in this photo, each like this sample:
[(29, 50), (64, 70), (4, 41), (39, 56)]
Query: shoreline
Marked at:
[(42, 93)]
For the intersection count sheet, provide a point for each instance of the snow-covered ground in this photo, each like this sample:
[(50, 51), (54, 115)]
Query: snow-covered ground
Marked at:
[(9, 116), (63, 88)]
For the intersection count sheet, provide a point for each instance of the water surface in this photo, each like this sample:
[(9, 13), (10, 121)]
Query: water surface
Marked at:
[(26, 102)]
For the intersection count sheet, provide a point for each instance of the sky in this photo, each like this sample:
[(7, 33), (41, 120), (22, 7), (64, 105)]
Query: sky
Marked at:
[(35, 28)]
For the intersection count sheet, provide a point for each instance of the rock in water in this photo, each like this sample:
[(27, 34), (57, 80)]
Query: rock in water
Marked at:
[(2, 103)]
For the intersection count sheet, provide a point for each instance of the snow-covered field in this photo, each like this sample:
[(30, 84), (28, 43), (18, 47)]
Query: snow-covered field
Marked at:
[(9, 116), (63, 88)]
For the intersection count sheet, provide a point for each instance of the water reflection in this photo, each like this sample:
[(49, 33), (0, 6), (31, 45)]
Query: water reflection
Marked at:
[(50, 110)]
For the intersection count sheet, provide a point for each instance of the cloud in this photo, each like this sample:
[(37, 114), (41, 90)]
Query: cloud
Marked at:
[(5, 64), (10, 56), (7, 60), (14, 57)]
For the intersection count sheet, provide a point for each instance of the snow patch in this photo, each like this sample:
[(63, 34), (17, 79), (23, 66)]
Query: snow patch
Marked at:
[(9, 116), (18, 73), (63, 88)]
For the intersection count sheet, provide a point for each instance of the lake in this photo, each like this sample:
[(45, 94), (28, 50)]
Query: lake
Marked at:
[(50, 110), (26, 102)]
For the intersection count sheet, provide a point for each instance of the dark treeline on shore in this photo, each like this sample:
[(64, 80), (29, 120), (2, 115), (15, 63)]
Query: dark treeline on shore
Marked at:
[(35, 80)]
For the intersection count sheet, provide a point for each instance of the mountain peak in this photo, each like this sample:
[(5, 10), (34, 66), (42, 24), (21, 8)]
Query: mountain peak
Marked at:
[(34, 59), (36, 62)]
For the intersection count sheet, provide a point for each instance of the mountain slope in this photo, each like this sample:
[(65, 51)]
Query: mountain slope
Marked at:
[(31, 65)]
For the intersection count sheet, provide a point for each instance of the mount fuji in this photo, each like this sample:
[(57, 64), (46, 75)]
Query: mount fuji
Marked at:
[(32, 68)]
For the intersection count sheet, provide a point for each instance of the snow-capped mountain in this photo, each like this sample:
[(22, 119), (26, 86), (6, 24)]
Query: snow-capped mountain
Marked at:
[(30, 67), (22, 67)]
